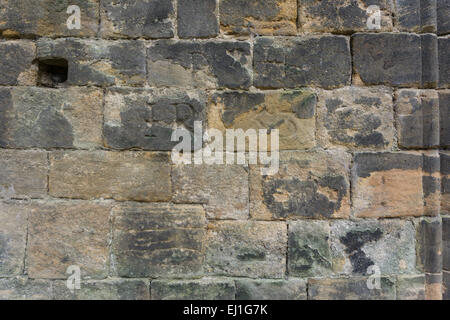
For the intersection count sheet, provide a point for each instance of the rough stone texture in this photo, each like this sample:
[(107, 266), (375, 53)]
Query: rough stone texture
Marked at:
[(148, 19), (146, 118), (322, 61), (23, 174), (197, 19), (26, 18), (386, 244), (246, 249), (444, 62), (446, 243), (417, 15), (307, 185), (309, 252), (430, 61), (63, 234), (291, 112), (269, 17), (153, 240), (411, 287), (341, 16), (395, 184), (429, 245), (443, 12), (98, 62), (140, 176), (446, 286), (417, 114), (17, 62), (291, 289), (350, 289), (433, 286), (222, 64), (444, 111), (13, 234), (204, 184), (50, 118), (21, 288), (356, 118), (445, 176), (202, 289)]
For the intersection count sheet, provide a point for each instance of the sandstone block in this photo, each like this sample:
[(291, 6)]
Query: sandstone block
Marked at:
[(291, 112), (51, 118), (433, 286), (153, 240), (64, 234), (429, 245), (291, 289), (444, 62), (416, 15), (445, 176), (246, 248), (446, 285), (356, 118), (443, 12), (17, 66), (386, 244), (139, 176), (197, 19), (146, 118), (322, 61), (23, 174), (211, 64), (446, 242), (21, 288), (411, 287), (270, 17), (444, 111), (202, 289), (98, 62), (307, 185)]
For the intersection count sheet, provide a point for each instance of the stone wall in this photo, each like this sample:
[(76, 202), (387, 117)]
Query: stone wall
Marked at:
[(86, 177)]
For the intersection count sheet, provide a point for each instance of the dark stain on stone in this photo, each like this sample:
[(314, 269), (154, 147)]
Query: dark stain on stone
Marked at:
[(236, 103), (372, 139), (306, 108), (366, 163), (250, 254)]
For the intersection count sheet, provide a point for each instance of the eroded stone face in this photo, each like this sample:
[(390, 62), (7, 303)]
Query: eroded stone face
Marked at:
[(444, 115), (197, 19), (342, 16), (430, 245), (98, 62), (411, 287), (51, 118), (444, 62), (146, 118), (13, 233), (291, 112), (17, 63), (322, 61), (21, 288), (416, 15), (139, 176), (48, 18), (202, 289), (291, 289), (246, 248), (307, 185), (154, 240), (356, 118), (222, 64), (270, 17), (63, 234), (445, 176), (386, 244), (149, 19)]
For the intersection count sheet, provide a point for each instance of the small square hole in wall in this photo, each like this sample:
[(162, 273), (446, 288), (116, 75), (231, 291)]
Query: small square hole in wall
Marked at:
[(53, 72)]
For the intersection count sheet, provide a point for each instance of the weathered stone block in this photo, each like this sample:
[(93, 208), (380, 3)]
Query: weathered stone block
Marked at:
[(341, 16), (356, 118), (446, 243), (446, 285), (395, 184), (98, 62), (386, 244), (416, 15), (350, 289), (443, 12), (433, 286), (429, 245), (246, 248), (140, 176), (204, 184), (309, 253), (444, 62), (13, 233), (291, 112), (21, 288), (411, 287), (197, 19), (23, 174), (444, 115), (445, 187), (307, 185), (417, 118), (48, 18), (146, 118), (153, 240), (17, 66), (291, 289), (148, 19), (322, 61), (202, 289), (51, 118), (62, 234), (222, 64), (270, 17)]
